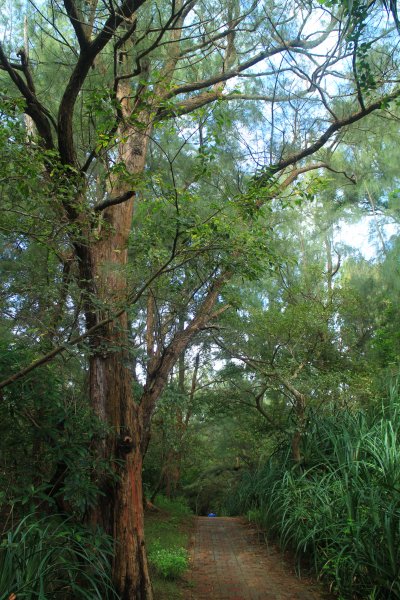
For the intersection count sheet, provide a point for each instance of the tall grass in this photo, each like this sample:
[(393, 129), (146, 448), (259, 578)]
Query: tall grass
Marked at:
[(342, 508), (49, 559)]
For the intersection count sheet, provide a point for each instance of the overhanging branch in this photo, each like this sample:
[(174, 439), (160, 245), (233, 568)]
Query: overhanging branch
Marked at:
[(46, 358), (293, 45), (321, 141)]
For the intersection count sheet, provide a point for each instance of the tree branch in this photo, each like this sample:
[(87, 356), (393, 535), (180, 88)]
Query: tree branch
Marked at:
[(76, 22), (76, 340), (288, 98), (78, 76), (321, 141), (189, 105), (50, 355), (114, 201), (296, 172), (292, 45), (34, 108), (171, 353)]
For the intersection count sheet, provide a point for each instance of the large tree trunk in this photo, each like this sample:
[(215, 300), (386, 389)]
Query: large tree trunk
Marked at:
[(120, 510)]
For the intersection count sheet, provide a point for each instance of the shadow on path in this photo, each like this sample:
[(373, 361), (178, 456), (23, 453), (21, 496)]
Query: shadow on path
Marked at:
[(229, 563)]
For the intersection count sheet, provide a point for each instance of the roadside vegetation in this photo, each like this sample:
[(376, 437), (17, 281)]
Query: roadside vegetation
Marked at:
[(339, 508), (49, 557), (168, 527)]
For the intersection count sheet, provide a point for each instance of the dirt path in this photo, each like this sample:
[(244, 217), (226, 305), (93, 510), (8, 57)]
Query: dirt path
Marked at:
[(229, 563)]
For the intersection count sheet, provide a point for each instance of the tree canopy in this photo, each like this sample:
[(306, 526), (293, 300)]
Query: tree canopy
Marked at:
[(172, 177)]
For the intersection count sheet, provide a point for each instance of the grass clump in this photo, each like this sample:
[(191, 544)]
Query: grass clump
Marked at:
[(50, 558), (341, 507)]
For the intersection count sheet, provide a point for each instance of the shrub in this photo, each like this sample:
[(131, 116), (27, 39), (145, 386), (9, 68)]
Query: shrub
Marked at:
[(169, 563)]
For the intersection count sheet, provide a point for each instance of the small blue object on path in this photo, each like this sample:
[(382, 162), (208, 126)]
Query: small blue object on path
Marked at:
[(212, 515)]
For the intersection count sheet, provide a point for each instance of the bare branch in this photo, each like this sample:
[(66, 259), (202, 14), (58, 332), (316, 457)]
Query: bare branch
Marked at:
[(222, 77), (296, 172), (189, 105), (260, 97), (312, 167), (292, 45), (220, 311), (321, 141)]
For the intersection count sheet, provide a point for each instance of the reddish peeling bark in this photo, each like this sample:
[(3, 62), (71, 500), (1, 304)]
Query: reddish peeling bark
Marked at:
[(120, 510)]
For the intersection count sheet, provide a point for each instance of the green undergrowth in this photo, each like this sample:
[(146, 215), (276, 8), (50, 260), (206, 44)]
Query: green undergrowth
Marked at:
[(43, 558), (167, 537), (339, 510)]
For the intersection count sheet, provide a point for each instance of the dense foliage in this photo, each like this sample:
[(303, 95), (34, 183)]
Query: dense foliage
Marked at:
[(178, 312), (341, 507), (53, 558)]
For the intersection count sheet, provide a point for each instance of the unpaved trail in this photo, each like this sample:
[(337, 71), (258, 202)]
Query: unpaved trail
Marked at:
[(230, 563)]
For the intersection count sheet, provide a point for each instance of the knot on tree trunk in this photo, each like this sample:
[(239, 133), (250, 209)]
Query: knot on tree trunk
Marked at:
[(125, 444)]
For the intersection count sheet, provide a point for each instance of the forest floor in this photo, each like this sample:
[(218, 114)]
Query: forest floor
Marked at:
[(230, 562)]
